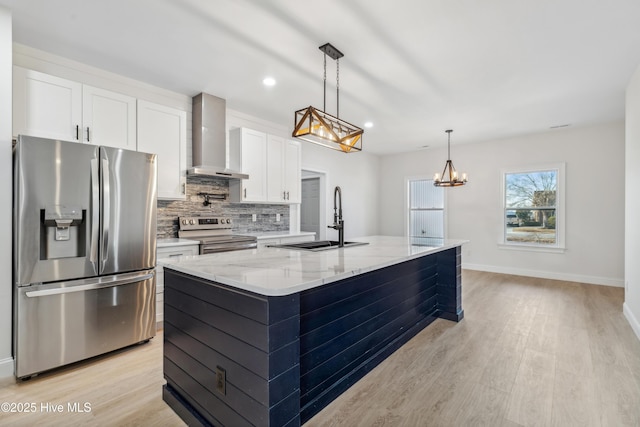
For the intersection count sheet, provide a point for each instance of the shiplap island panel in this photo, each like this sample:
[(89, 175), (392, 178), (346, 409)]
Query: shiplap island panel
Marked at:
[(271, 336)]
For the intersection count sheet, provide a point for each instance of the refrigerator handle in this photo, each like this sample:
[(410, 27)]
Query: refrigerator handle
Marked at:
[(91, 284), (106, 211), (95, 213)]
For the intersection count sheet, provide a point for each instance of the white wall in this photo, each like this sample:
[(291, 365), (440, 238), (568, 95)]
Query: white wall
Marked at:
[(632, 208), (358, 177), (6, 286), (594, 158)]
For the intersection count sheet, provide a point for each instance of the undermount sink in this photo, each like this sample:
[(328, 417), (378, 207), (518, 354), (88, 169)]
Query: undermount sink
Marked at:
[(318, 245)]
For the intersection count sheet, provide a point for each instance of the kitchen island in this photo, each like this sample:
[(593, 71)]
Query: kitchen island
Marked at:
[(271, 336)]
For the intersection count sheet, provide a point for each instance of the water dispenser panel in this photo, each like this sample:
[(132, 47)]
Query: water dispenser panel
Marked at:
[(62, 218)]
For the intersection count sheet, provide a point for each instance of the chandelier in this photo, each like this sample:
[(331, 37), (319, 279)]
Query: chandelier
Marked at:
[(317, 126), (449, 176)]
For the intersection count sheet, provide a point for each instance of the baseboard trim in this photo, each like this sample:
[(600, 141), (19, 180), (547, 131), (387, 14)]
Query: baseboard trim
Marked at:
[(7, 370), (633, 321), (592, 280)]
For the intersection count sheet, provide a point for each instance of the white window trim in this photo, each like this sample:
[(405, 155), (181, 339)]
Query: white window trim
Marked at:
[(559, 247), (407, 207)]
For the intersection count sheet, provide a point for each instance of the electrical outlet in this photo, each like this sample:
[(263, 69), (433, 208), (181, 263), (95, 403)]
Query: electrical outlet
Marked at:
[(254, 217), (221, 380), (277, 217)]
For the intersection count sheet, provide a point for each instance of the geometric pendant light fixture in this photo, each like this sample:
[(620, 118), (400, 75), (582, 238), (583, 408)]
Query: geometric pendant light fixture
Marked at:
[(317, 126), (449, 176)]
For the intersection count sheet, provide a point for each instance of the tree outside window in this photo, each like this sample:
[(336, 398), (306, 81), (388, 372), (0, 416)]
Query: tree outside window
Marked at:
[(530, 207)]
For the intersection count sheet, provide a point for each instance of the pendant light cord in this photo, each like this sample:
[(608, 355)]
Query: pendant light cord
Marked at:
[(324, 99), (338, 88)]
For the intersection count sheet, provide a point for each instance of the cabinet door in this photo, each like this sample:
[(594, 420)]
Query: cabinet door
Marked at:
[(292, 174), (253, 153), (45, 105), (163, 130), (275, 166), (108, 118)]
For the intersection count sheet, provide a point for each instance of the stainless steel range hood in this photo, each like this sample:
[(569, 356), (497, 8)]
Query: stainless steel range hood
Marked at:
[(209, 140)]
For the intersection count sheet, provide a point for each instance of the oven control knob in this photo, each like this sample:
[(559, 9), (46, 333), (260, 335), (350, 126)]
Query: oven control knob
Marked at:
[(228, 221), (184, 221), (192, 222)]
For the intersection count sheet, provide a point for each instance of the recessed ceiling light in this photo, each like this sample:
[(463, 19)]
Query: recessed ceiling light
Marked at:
[(368, 124), (269, 81)]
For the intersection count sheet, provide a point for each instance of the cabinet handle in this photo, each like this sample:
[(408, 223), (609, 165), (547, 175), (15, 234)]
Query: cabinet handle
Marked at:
[(184, 188), (245, 193), (87, 133), (284, 195), (77, 132), (287, 195)]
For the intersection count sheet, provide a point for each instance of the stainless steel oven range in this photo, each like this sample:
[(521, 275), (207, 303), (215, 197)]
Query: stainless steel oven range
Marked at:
[(214, 234)]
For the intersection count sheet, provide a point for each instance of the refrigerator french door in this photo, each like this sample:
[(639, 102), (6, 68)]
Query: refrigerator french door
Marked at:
[(84, 251)]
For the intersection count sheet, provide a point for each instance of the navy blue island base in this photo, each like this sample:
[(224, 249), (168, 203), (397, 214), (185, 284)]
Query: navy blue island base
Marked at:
[(237, 358)]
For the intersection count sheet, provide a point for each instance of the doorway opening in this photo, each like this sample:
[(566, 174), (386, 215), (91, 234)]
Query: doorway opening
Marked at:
[(313, 203)]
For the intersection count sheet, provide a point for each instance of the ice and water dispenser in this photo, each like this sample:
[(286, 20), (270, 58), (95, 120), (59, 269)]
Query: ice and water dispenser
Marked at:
[(62, 232)]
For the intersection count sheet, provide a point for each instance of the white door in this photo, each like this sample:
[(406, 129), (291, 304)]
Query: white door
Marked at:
[(109, 118), (310, 206), (46, 106), (163, 130)]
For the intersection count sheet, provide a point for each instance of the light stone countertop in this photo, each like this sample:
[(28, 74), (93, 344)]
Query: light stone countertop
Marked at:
[(277, 272)]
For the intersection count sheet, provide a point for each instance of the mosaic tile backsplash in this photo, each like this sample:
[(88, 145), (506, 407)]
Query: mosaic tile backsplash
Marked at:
[(240, 213)]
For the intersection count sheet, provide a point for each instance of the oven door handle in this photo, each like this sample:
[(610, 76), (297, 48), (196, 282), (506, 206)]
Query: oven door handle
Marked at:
[(216, 248)]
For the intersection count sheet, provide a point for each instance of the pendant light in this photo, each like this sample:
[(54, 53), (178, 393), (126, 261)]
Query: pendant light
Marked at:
[(449, 176), (317, 126)]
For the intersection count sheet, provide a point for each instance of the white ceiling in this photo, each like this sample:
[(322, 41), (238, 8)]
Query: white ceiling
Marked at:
[(487, 69)]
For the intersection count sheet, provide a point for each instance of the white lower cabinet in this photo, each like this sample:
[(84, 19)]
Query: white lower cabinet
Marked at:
[(163, 253)]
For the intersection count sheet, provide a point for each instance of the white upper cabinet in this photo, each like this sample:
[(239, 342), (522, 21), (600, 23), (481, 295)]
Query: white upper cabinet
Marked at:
[(250, 152), (283, 166), (52, 107), (108, 118), (273, 166), (292, 171), (46, 106), (163, 130)]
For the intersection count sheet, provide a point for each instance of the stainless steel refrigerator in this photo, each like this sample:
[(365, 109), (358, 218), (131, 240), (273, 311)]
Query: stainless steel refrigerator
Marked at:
[(84, 251)]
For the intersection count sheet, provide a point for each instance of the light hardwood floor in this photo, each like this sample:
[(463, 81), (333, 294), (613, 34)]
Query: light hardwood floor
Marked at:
[(529, 352), (123, 388)]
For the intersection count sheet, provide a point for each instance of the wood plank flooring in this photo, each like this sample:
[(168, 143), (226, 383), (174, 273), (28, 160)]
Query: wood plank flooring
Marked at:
[(529, 352), (123, 388)]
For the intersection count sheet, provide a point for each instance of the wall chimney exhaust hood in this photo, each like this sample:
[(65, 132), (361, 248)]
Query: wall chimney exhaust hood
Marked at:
[(209, 139)]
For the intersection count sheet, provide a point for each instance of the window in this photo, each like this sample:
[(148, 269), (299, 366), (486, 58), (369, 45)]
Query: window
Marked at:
[(533, 208), (426, 209)]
